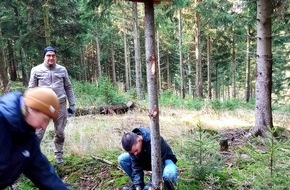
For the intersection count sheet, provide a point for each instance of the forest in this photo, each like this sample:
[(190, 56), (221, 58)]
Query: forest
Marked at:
[(106, 38), (215, 60)]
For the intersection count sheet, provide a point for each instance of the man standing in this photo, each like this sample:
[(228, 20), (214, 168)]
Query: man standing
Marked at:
[(20, 151), (138, 158), (52, 75)]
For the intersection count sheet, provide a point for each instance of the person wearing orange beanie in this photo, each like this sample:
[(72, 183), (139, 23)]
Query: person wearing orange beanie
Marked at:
[(20, 115)]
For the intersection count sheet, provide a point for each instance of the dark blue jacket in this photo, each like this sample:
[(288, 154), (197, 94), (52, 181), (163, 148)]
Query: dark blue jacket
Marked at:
[(20, 148), (143, 160)]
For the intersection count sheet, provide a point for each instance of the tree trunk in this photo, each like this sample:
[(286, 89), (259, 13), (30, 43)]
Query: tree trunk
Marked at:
[(247, 90), (181, 71), (233, 65), (46, 24), (208, 68), (127, 85), (82, 75), (11, 60), (168, 70), (98, 56), (3, 72), (158, 61), (3, 69), (151, 67), (217, 89), (198, 55), (138, 72), (263, 111), (93, 62), (25, 76), (113, 71), (189, 75)]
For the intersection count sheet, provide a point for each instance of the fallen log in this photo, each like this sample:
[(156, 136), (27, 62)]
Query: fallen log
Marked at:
[(106, 109)]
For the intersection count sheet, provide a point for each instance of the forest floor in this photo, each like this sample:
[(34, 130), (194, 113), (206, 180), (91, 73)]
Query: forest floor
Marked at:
[(100, 169), (96, 173), (92, 142)]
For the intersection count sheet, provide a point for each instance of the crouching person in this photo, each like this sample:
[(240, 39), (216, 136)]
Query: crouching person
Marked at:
[(20, 115), (138, 158)]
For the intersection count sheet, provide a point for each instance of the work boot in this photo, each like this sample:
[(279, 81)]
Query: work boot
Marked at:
[(59, 160), (58, 157)]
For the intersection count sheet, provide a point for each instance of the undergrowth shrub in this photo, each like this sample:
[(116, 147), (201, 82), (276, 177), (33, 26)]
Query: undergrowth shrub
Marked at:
[(195, 104), (204, 150), (200, 156), (108, 93), (230, 104), (169, 99), (262, 163), (102, 92), (85, 93)]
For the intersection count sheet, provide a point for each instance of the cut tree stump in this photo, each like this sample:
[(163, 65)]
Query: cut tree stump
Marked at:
[(224, 145)]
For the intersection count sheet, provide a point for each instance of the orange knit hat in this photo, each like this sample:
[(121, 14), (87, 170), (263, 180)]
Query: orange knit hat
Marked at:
[(43, 100)]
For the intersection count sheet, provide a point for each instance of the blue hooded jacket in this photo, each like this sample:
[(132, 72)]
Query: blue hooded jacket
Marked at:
[(143, 160), (20, 148)]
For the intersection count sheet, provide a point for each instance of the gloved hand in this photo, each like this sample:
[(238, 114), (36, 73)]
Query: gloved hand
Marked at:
[(71, 110)]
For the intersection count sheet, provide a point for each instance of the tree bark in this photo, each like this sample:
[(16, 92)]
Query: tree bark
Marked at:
[(168, 70), (189, 75), (159, 64), (263, 110), (151, 67), (198, 55), (248, 68), (11, 60), (217, 89), (98, 56), (181, 71), (46, 24), (208, 68), (113, 72), (3, 68), (137, 52), (127, 83), (25, 75), (233, 65)]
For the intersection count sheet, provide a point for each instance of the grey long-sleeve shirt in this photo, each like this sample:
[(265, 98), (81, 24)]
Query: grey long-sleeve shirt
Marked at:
[(55, 77)]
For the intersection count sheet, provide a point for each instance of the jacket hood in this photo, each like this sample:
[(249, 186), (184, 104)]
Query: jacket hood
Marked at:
[(10, 108), (144, 132)]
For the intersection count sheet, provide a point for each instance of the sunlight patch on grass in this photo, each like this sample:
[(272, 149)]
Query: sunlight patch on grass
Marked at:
[(207, 118), (95, 134)]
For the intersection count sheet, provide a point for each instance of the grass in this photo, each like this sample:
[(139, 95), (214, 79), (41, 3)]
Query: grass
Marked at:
[(194, 138), (191, 126)]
